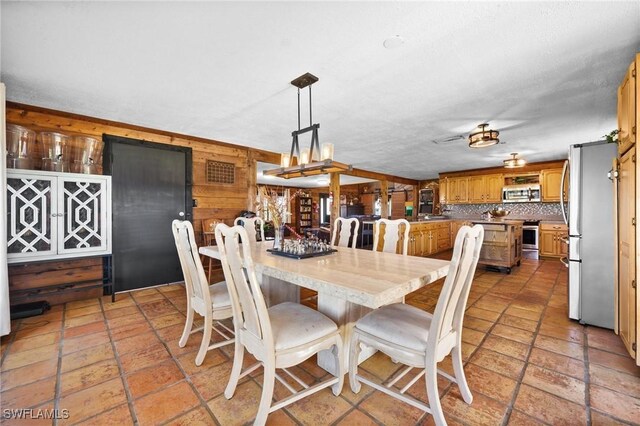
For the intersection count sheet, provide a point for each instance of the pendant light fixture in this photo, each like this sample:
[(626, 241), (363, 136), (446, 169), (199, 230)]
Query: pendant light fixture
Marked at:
[(481, 137), (514, 162), (310, 161)]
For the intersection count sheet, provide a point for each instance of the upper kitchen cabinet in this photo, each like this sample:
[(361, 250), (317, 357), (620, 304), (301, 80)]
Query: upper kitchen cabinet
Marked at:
[(551, 180), (627, 102), (485, 188), (457, 190), (443, 185)]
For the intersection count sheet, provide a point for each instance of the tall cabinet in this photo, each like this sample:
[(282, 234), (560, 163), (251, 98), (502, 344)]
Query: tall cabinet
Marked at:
[(627, 203)]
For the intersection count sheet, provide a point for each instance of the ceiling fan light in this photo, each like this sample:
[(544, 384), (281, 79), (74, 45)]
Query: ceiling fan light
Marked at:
[(482, 138)]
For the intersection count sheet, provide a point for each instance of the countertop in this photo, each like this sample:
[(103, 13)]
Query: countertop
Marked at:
[(498, 221)]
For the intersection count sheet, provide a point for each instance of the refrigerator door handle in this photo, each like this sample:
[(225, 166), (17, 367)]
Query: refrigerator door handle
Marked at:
[(565, 168)]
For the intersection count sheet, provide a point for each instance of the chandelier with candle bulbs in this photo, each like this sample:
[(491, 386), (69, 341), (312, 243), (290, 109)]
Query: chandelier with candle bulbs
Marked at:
[(307, 161)]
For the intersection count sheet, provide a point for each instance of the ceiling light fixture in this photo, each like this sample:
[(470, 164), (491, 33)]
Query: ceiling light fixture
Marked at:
[(481, 137), (310, 161), (514, 162)]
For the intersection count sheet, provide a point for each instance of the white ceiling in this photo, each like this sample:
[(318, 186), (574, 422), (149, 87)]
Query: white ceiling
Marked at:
[(544, 74)]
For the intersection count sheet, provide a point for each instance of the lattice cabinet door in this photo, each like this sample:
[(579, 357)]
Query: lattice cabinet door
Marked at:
[(84, 219), (31, 214), (53, 215)]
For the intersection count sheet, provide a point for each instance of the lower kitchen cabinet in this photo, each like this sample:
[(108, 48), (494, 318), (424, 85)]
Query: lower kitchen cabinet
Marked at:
[(426, 238), (553, 240)]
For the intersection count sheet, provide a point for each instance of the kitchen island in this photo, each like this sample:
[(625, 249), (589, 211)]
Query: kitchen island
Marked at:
[(502, 246)]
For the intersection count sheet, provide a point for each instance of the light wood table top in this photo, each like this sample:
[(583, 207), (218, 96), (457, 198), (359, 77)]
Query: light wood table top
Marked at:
[(364, 277)]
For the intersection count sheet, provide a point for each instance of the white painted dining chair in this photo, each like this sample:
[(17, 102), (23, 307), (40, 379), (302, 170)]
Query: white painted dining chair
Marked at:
[(212, 302), (341, 239), (391, 235), (281, 336), (253, 225), (419, 339)]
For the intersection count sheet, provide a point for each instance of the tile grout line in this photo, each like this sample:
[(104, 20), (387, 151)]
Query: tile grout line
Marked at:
[(519, 379), (125, 385), (187, 378), (587, 375), (57, 396)]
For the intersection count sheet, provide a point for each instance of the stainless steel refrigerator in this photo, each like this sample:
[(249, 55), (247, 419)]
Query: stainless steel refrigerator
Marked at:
[(589, 215)]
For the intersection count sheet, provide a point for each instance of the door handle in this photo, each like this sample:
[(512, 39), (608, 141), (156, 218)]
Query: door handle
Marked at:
[(181, 214), (565, 240), (564, 261)]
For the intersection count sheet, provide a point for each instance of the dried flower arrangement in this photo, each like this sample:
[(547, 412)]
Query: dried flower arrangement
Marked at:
[(276, 205)]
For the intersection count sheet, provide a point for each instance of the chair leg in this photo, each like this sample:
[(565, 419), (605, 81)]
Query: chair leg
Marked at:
[(337, 353), (188, 325), (267, 395), (209, 271), (458, 369), (206, 339), (238, 358), (431, 378), (354, 353)]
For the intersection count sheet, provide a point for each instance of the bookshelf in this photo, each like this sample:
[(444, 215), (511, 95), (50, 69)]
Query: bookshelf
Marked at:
[(304, 210)]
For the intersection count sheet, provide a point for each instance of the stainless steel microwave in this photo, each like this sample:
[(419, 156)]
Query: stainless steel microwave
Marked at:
[(521, 193)]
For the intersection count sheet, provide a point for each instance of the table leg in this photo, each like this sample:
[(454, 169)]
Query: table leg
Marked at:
[(345, 314)]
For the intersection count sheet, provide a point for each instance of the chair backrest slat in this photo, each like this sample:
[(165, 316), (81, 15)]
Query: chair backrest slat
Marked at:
[(249, 307), (391, 235), (195, 279), (253, 225), (449, 311), (345, 226)]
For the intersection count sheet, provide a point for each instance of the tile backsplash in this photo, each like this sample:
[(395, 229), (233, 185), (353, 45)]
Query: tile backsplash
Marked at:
[(548, 211)]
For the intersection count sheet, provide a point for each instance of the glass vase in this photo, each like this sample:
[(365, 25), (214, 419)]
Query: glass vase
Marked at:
[(278, 240)]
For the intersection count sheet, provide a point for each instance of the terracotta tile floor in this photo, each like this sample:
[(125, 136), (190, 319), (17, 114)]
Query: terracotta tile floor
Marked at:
[(120, 364)]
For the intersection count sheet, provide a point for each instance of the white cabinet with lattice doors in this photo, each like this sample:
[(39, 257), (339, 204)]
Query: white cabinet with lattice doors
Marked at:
[(57, 215)]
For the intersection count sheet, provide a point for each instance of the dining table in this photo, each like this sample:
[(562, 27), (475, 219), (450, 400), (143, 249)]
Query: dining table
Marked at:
[(350, 283)]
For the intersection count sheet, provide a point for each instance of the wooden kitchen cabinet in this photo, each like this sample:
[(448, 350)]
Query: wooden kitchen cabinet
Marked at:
[(627, 104), (550, 185), (457, 190), (442, 193), (502, 245), (485, 188), (626, 290), (553, 237), (493, 188), (455, 227), (426, 238)]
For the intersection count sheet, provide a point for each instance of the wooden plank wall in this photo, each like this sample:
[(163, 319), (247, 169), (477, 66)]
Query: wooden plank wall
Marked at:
[(223, 201), (76, 278)]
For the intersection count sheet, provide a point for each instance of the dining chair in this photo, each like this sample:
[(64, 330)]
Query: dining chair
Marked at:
[(391, 235), (419, 339), (281, 336), (253, 225), (345, 225), (210, 301), (208, 237)]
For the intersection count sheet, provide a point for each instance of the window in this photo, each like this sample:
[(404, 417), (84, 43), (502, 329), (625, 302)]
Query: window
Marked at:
[(325, 209)]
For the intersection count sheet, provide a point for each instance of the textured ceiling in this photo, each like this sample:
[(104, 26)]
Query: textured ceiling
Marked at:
[(544, 74)]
